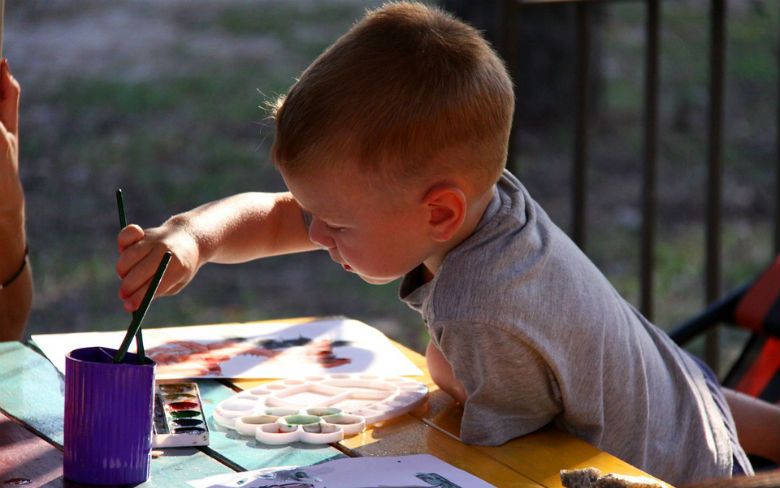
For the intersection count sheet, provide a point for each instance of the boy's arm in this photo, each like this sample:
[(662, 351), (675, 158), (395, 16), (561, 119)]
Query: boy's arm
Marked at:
[(235, 229)]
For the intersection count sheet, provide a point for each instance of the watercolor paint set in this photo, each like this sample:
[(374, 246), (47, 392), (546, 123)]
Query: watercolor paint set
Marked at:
[(178, 416)]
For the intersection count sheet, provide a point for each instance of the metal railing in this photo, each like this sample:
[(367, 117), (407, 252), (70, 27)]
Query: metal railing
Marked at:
[(513, 9)]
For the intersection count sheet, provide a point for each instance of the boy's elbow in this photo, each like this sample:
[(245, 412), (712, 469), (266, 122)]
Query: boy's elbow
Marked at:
[(442, 374), (456, 391)]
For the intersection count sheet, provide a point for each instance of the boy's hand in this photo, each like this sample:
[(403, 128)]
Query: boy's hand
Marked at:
[(140, 252)]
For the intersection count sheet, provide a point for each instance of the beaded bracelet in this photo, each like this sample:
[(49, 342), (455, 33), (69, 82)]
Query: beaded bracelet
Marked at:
[(18, 271)]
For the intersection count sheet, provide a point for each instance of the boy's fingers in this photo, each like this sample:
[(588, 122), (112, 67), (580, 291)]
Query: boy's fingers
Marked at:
[(132, 302), (131, 258), (129, 236), (9, 99), (136, 280), (141, 251), (139, 274), (166, 287)]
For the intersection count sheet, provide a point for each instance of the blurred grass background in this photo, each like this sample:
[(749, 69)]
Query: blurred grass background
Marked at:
[(160, 98)]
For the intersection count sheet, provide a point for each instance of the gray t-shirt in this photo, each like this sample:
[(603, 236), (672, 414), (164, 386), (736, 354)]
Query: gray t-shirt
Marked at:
[(537, 335)]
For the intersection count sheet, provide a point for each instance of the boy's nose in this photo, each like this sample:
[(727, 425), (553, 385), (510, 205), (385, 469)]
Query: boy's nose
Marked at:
[(318, 235), (320, 246)]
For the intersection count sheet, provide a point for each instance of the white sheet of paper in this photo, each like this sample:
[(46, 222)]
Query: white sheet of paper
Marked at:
[(422, 470), (251, 350)]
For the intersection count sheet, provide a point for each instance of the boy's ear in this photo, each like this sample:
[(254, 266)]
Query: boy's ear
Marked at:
[(446, 210)]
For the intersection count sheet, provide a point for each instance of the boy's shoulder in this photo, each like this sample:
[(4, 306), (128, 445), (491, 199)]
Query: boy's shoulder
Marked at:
[(507, 217), (514, 262)]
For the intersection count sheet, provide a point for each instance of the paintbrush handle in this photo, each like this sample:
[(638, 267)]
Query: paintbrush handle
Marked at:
[(120, 205), (138, 316), (140, 353)]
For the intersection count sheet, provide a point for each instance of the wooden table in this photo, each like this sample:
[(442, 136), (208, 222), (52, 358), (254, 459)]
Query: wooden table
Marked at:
[(31, 436)]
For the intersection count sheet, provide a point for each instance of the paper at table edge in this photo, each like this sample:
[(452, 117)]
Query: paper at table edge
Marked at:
[(359, 472)]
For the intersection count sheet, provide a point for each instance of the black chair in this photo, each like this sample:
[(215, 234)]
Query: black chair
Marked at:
[(754, 307)]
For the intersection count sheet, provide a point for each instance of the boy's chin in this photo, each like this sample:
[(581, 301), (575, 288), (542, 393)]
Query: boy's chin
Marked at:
[(377, 281)]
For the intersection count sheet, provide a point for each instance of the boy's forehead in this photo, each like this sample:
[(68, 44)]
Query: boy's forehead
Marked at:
[(326, 195), (327, 208), (341, 195)]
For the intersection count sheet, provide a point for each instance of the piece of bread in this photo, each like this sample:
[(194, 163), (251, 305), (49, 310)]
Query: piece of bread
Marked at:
[(613, 480), (592, 478), (580, 478)]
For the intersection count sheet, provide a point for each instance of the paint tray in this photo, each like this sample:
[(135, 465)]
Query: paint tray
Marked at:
[(318, 409), (178, 415)]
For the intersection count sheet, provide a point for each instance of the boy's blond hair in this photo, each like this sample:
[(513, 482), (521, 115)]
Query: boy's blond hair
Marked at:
[(409, 92)]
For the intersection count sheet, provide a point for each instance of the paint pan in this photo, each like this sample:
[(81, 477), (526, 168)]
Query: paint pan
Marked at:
[(178, 416)]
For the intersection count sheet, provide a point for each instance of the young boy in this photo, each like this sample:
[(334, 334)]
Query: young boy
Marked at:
[(393, 145)]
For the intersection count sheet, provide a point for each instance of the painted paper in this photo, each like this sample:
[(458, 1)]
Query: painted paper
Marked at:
[(277, 349)]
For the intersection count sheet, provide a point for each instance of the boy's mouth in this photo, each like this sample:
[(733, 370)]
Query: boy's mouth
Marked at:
[(337, 259)]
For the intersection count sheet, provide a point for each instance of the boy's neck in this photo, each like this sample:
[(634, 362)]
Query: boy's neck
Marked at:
[(473, 217)]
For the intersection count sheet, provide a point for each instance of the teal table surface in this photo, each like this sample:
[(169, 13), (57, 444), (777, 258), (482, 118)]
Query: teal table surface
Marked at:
[(31, 432)]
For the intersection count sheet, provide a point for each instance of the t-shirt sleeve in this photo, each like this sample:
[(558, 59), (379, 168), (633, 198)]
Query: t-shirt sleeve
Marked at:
[(510, 389)]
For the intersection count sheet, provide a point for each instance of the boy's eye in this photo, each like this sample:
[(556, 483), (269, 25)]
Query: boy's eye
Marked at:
[(334, 228)]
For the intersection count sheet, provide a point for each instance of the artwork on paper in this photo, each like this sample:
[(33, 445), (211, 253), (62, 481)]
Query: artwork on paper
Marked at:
[(277, 349), (419, 471), (206, 359)]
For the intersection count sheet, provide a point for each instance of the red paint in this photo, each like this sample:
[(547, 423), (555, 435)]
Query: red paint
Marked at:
[(183, 405), (17, 481)]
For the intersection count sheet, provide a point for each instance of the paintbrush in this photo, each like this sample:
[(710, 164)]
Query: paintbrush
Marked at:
[(139, 339), (135, 325)]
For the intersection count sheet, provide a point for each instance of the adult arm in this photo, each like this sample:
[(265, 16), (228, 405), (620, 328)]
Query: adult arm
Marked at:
[(758, 424), (15, 274)]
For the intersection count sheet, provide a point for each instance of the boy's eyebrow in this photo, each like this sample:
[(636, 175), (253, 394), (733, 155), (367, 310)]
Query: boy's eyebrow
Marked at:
[(328, 220), (334, 222), (331, 220)]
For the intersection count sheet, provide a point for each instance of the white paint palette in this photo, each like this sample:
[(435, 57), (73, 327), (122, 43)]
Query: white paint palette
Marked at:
[(318, 409)]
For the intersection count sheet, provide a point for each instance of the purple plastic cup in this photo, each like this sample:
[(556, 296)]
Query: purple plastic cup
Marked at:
[(108, 417)]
